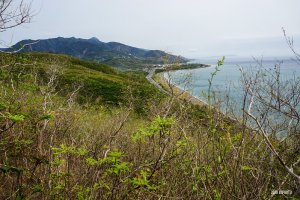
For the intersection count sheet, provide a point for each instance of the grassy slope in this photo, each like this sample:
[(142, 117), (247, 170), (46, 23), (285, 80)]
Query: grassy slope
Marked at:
[(98, 82), (50, 149)]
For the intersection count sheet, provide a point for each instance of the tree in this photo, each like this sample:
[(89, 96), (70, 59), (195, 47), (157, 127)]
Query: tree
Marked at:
[(14, 13), (271, 107)]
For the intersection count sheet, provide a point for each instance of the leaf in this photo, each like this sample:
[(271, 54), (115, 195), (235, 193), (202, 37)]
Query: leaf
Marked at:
[(219, 159), (217, 195), (5, 169), (37, 188), (120, 167), (19, 197), (194, 188), (15, 118), (81, 151), (222, 173), (46, 117), (246, 168), (91, 161), (3, 106), (221, 61)]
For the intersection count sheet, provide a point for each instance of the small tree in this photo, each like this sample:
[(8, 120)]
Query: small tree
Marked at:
[(271, 107), (14, 13)]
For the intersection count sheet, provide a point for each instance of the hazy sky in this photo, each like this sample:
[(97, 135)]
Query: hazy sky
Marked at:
[(192, 28)]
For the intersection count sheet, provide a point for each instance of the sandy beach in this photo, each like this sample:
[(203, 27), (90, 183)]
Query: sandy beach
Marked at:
[(177, 91), (184, 95)]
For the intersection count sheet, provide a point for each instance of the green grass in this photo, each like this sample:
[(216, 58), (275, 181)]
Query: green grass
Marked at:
[(100, 83), (52, 148)]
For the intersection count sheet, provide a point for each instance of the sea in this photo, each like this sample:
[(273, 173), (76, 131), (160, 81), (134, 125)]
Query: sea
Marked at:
[(227, 88)]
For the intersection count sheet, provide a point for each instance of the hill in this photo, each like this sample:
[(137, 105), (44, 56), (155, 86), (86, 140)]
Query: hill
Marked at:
[(97, 83), (72, 129), (115, 54)]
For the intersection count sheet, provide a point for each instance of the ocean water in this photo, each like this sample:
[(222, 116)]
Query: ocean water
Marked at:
[(227, 86)]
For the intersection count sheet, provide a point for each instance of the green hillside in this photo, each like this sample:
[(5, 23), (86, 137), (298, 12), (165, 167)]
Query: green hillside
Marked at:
[(97, 83), (71, 129), (115, 54)]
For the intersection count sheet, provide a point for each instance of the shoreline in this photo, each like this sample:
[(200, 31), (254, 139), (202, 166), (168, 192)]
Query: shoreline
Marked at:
[(176, 90), (184, 95)]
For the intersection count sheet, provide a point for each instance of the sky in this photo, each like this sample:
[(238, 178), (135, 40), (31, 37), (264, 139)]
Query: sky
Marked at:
[(191, 28)]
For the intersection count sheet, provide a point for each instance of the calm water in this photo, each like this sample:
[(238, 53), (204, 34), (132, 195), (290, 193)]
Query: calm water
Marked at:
[(227, 82)]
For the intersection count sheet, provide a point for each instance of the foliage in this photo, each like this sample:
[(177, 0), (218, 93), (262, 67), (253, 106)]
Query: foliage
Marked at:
[(52, 147), (115, 54), (97, 83)]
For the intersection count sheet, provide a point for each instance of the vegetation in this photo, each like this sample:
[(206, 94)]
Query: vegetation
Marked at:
[(114, 54), (96, 83), (172, 67), (71, 129), (56, 144)]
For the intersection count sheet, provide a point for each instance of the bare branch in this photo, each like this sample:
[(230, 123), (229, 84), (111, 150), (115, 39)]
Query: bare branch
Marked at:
[(14, 13), (290, 41)]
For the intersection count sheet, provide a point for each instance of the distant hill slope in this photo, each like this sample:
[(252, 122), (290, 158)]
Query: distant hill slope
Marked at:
[(99, 83), (115, 54)]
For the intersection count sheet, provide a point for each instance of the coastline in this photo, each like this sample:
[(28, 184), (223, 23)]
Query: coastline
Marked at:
[(184, 95), (177, 91)]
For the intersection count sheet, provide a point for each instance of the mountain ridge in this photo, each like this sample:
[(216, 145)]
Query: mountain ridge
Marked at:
[(116, 54)]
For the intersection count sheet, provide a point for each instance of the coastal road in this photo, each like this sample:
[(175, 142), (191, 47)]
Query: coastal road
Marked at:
[(151, 72)]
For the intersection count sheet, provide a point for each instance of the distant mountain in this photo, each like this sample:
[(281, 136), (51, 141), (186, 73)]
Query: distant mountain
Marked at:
[(113, 53)]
